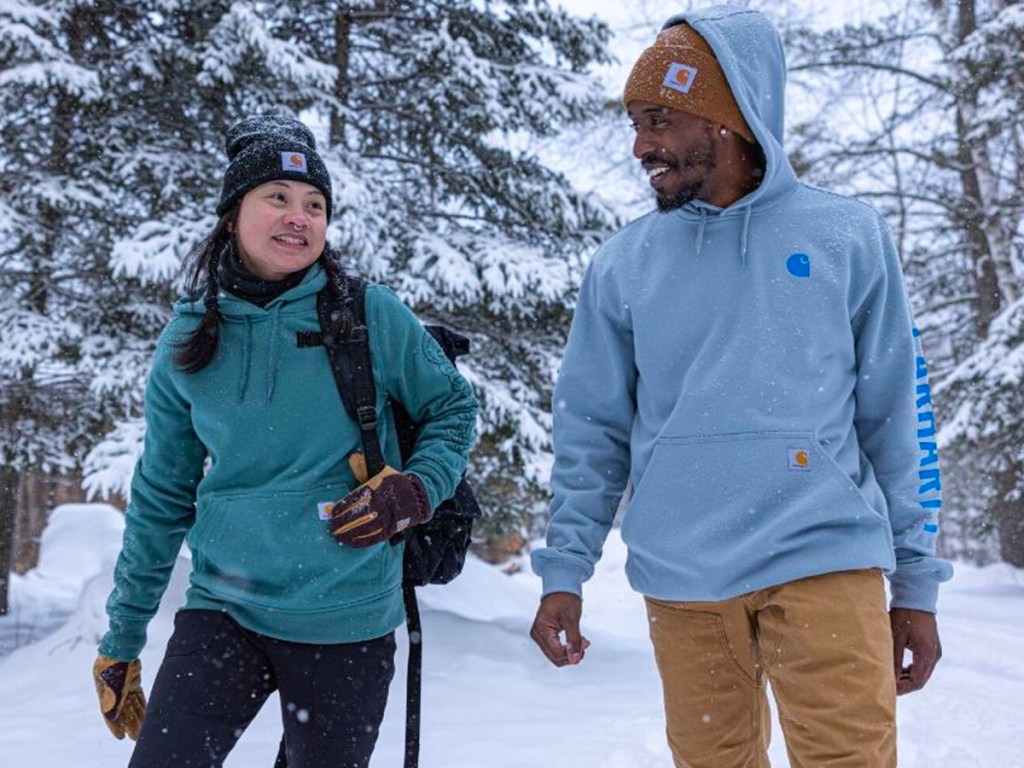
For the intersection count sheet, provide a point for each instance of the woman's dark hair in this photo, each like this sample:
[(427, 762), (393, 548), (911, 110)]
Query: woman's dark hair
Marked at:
[(202, 266), (337, 277)]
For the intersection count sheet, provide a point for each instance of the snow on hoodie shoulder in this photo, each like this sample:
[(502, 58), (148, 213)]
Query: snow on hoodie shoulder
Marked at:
[(755, 372)]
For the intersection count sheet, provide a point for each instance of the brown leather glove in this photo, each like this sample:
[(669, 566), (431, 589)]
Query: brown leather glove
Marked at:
[(122, 702), (386, 504)]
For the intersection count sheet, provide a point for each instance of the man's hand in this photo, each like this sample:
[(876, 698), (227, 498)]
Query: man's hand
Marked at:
[(917, 632), (560, 612), (122, 702)]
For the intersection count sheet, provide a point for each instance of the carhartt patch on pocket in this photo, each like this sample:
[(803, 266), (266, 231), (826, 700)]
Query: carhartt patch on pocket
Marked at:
[(799, 460)]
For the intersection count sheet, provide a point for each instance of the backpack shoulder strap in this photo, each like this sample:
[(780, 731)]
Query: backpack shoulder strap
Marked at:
[(345, 334), (343, 325)]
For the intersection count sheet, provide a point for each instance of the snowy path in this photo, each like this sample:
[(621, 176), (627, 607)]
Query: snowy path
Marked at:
[(492, 701)]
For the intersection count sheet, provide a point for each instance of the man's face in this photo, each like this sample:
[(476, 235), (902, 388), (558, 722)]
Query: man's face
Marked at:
[(678, 152)]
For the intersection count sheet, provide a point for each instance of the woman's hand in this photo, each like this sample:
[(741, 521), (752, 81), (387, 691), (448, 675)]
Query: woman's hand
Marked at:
[(386, 504), (122, 701)]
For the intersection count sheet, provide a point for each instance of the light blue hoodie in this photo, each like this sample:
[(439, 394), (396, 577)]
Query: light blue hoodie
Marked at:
[(755, 372)]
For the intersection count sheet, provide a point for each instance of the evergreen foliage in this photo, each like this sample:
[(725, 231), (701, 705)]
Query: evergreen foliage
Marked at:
[(426, 114)]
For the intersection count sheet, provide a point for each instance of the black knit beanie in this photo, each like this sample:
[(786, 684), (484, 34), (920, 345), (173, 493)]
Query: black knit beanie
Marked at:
[(264, 148)]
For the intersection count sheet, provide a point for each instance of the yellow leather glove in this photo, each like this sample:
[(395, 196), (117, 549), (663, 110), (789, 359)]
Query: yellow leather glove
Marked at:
[(386, 504), (122, 702)]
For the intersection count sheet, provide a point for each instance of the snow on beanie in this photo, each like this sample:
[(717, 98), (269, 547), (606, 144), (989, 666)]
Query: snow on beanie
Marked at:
[(680, 71), (264, 148)]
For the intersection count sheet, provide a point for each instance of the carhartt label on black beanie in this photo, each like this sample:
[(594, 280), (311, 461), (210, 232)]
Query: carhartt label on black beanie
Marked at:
[(265, 148), (293, 161)]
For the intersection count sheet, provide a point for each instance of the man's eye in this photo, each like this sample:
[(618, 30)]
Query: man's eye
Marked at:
[(634, 125)]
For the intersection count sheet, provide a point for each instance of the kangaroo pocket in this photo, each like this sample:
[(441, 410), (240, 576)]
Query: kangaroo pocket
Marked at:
[(275, 551), (732, 497)]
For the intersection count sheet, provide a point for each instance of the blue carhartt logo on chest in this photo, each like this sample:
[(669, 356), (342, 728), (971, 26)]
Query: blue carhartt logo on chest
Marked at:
[(799, 265)]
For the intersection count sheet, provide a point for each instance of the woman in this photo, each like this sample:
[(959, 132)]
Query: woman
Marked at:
[(247, 450)]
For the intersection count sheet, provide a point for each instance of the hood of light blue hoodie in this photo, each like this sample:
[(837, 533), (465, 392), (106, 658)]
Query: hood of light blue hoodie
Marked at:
[(754, 62)]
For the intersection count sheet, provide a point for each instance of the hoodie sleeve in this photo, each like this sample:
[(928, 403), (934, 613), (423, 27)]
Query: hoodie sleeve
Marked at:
[(416, 372), (593, 411), (161, 510), (896, 426)]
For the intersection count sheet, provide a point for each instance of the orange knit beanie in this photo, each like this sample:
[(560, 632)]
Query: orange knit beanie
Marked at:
[(680, 71)]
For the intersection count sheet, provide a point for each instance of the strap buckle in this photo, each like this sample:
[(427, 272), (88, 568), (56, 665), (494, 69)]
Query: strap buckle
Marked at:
[(367, 416)]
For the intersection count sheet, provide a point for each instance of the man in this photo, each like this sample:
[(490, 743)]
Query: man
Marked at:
[(746, 356)]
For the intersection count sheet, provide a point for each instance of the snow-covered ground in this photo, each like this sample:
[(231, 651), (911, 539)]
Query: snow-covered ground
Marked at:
[(490, 699)]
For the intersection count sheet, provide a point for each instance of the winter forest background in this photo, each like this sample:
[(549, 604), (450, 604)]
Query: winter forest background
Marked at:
[(479, 155)]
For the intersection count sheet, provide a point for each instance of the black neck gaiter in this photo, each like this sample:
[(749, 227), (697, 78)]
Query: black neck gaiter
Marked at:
[(240, 282)]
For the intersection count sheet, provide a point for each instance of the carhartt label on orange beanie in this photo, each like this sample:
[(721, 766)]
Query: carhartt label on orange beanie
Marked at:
[(680, 71)]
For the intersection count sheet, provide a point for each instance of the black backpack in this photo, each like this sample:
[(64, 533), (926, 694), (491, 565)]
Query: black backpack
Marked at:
[(435, 551)]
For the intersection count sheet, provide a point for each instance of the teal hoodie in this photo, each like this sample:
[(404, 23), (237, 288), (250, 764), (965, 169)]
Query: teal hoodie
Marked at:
[(755, 373), (266, 421)]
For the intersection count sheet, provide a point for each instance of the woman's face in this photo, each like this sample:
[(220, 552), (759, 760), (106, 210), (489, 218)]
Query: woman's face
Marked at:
[(282, 228)]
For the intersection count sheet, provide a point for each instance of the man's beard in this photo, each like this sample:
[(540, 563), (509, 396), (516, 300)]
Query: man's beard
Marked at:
[(705, 160), (675, 200)]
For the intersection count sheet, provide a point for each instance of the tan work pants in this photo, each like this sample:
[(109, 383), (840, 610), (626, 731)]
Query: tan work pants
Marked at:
[(825, 645)]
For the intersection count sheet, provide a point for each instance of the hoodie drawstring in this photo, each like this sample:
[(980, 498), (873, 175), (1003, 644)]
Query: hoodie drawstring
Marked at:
[(272, 362), (243, 379), (700, 229), (744, 233), (247, 344)]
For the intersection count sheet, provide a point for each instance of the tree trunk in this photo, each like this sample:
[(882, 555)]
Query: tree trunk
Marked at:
[(343, 84), (976, 208), (1008, 513), (972, 214), (8, 510)]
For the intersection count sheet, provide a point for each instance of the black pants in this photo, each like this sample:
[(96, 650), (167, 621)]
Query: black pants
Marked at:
[(216, 676)]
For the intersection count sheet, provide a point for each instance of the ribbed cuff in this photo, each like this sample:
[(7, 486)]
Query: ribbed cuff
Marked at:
[(421, 501), (557, 577), (124, 640), (919, 593), (429, 487)]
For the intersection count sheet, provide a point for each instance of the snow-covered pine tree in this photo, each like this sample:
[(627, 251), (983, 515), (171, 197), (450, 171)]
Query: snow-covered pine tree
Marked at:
[(427, 112), (49, 207), (984, 394)]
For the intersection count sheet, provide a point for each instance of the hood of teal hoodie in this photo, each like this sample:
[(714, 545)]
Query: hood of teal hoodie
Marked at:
[(245, 313), (752, 57)]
